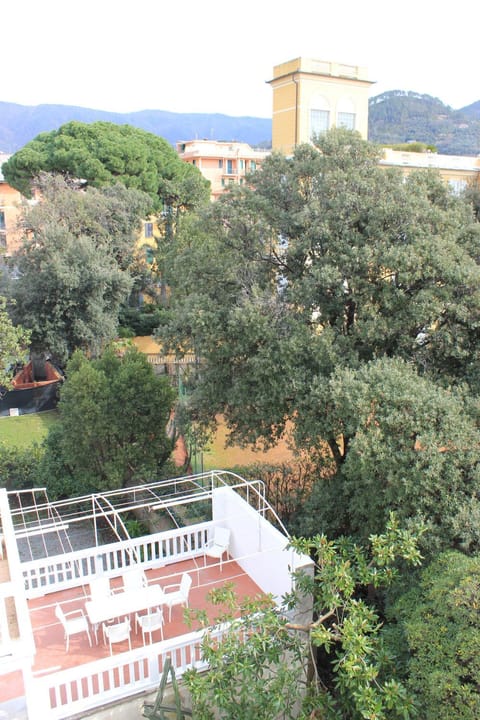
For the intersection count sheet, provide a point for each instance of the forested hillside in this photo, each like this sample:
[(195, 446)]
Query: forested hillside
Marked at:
[(398, 116)]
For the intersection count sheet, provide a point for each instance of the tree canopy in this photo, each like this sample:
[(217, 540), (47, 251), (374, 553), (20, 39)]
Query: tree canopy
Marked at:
[(103, 153), (73, 268), (112, 427), (325, 261)]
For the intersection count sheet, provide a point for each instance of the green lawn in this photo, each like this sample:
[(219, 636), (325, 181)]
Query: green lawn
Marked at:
[(25, 430)]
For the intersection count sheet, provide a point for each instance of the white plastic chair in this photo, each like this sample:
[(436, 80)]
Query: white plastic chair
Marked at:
[(73, 622), (134, 579), (150, 622), (100, 588), (217, 546), (117, 633), (178, 596)]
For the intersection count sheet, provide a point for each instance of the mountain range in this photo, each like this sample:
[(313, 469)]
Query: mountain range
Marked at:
[(396, 116)]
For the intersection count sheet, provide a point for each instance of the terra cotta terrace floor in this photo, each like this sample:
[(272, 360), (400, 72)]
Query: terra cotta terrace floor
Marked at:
[(48, 633)]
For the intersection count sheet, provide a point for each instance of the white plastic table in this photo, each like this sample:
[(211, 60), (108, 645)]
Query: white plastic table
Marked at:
[(123, 603)]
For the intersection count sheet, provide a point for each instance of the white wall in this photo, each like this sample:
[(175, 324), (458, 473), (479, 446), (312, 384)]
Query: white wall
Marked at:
[(258, 547)]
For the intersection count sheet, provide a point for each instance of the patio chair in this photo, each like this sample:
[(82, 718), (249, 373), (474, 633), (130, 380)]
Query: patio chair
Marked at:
[(100, 588), (179, 596), (73, 622), (150, 622), (118, 632), (134, 579), (217, 546)]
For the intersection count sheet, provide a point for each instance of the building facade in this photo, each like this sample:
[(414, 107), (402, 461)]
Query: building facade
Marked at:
[(222, 163), (458, 171), (311, 96)]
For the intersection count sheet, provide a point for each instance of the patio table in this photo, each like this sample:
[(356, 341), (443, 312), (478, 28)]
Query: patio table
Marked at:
[(123, 603)]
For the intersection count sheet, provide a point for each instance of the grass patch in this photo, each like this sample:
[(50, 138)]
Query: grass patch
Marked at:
[(24, 430)]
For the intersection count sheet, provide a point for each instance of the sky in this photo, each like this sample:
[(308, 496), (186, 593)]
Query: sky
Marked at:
[(209, 56)]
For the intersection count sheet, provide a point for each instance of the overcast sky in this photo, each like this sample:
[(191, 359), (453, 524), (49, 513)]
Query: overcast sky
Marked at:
[(216, 56)]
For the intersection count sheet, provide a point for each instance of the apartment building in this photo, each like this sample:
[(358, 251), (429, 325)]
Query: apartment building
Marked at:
[(222, 163)]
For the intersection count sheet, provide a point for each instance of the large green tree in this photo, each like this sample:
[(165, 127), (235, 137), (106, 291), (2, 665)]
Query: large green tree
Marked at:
[(112, 427), (326, 260), (73, 267), (103, 153)]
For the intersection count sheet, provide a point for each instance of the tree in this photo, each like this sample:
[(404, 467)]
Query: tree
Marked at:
[(112, 428), (261, 666), (19, 466), (324, 261), (14, 342), (402, 443), (73, 268), (438, 622), (102, 154)]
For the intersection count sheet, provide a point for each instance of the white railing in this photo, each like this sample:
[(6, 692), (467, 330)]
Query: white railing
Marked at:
[(73, 569), (69, 692)]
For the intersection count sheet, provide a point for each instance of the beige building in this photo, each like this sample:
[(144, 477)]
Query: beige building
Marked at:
[(458, 170), (222, 163), (311, 96)]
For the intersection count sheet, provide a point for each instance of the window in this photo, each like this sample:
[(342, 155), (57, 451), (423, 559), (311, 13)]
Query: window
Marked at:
[(229, 167), (457, 186), (346, 120), (220, 163), (319, 122), (194, 162), (253, 165), (242, 164), (148, 229), (2, 220)]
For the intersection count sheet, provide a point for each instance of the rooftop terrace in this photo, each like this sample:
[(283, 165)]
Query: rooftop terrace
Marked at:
[(55, 551)]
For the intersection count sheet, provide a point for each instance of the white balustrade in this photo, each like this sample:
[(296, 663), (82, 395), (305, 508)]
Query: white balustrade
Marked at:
[(76, 568), (68, 692)]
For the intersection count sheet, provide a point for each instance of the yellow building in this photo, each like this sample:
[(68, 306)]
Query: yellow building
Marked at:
[(311, 96)]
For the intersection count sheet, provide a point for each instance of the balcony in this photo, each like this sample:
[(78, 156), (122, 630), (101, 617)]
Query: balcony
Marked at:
[(41, 568)]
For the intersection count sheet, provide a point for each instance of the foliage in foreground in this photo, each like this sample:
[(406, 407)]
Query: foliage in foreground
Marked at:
[(441, 626), (268, 666)]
